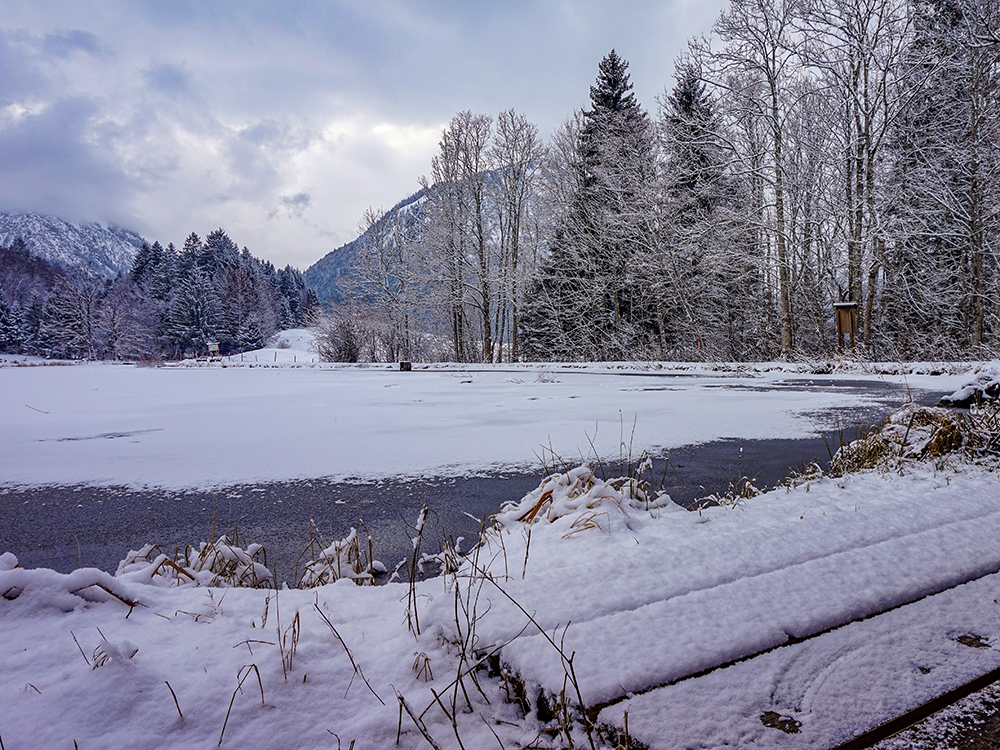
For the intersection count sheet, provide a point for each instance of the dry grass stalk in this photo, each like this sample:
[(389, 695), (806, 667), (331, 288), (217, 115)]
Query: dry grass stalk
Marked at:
[(79, 647), (174, 696), (422, 667), (624, 741), (529, 516), (123, 599), (241, 677), (350, 656), (288, 643), (585, 522), (248, 641), (421, 727), (416, 563), (214, 610)]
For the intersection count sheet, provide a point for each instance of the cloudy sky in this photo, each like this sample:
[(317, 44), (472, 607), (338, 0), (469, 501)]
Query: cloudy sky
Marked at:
[(282, 121)]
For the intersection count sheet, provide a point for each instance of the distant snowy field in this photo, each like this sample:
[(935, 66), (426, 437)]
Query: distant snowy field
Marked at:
[(277, 414)]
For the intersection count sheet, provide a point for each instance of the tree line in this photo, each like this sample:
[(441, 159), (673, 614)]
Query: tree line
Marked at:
[(808, 152), (170, 304)]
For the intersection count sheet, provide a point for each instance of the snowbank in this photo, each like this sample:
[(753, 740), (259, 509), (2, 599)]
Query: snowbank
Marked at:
[(985, 386)]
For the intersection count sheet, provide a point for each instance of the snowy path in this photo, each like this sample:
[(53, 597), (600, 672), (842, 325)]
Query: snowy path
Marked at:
[(748, 608), (758, 612), (836, 686), (704, 595)]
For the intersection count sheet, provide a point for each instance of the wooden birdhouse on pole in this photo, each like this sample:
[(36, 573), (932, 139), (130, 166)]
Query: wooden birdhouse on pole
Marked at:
[(847, 322)]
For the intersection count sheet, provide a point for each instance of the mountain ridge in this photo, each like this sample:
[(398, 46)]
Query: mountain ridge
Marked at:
[(106, 251)]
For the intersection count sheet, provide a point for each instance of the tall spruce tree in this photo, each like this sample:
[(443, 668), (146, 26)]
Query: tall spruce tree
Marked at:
[(684, 274), (11, 326), (193, 319), (587, 299)]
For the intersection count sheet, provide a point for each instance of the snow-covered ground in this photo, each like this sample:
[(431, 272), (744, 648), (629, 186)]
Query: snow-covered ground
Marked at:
[(656, 606), (639, 597)]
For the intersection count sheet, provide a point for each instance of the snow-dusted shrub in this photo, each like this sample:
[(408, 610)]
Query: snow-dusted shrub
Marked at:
[(344, 558), (580, 490), (738, 493), (922, 432), (219, 563), (985, 386)]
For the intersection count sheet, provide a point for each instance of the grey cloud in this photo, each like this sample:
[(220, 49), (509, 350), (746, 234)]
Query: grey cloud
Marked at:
[(293, 205), (257, 152), (66, 43), (250, 166), (263, 133), (18, 76), (278, 136), (298, 202), (172, 80), (52, 165)]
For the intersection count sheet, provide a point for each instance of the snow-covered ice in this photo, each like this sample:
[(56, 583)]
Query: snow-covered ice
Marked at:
[(201, 425)]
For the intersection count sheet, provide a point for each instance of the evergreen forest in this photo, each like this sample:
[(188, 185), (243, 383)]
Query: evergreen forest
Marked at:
[(170, 304), (807, 153)]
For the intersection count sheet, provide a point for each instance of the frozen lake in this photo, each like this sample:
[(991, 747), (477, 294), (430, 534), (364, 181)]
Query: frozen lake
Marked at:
[(100, 458)]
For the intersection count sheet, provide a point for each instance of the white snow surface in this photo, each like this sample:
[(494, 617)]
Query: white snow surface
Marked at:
[(639, 597), (277, 414)]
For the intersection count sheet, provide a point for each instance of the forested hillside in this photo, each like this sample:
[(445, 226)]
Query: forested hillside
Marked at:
[(170, 303), (332, 277), (805, 154)]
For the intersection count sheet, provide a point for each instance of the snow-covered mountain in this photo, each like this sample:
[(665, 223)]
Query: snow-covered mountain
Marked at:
[(107, 251), (326, 276)]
